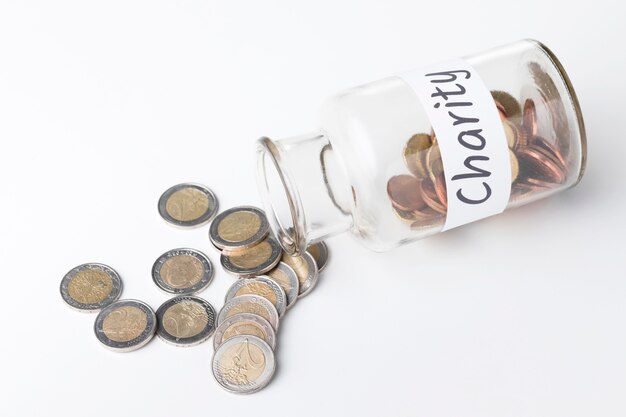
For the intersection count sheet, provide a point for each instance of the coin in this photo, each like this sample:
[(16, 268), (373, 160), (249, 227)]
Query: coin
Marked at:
[(262, 286), (243, 364), (319, 252), (414, 152), (430, 197), (182, 271), (534, 163), (511, 132), (185, 320), (256, 260), (529, 118), (514, 166), (286, 277), (242, 324), (306, 270), (405, 192), (91, 287), (551, 151), (125, 325), (188, 205), (434, 164), (253, 304), (239, 228), (510, 105)]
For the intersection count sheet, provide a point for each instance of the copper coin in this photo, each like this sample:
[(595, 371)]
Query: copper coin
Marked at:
[(501, 110), (529, 118), (405, 192), (430, 197), (535, 164), (414, 153), (440, 189), (550, 150)]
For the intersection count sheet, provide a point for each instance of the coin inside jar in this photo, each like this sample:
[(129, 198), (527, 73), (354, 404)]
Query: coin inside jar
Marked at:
[(186, 320), (261, 286), (405, 192), (239, 228), (286, 277), (253, 304), (182, 271), (91, 287), (510, 105), (242, 324), (306, 269), (256, 260), (125, 325), (243, 364), (187, 205), (414, 152), (319, 252)]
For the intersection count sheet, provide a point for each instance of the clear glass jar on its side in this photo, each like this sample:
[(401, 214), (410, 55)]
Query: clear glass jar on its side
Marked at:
[(374, 165)]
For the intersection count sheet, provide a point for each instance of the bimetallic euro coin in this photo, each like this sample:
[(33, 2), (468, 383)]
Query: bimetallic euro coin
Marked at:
[(186, 320), (239, 228), (182, 271), (91, 287), (188, 205), (306, 270), (243, 364), (319, 252), (262, 286), (509, 104), (253, 304), (286, 277), (256, 260), (125, 325), (242, 324)]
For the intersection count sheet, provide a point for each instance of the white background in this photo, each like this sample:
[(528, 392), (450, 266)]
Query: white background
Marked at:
[(103, 105)]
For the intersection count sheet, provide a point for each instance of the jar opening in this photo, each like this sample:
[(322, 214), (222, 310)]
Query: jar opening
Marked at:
[(280, 198)]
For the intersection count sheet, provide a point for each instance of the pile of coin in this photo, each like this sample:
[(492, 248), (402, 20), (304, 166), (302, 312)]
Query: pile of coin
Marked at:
[(245, 329), (420, 198), (269, 283)]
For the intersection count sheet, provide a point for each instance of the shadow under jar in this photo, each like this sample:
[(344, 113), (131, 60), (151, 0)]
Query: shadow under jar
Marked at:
[(385, 166)]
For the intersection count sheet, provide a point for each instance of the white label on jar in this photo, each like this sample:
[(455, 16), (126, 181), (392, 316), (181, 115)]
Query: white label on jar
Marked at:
[(471, 138)]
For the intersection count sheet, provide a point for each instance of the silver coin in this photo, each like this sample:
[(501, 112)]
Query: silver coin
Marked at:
[(306, 270), (286, 277), (186, 320), (319, 252), (91, 287), (243, 364), (239, 228), (262, 286), (253, 261), (244, 323), (253, 304), (188, 205), (125, 325), (182, 271)]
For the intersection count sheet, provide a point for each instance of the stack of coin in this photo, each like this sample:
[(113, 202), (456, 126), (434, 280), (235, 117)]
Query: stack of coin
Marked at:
[(420, 198), (269, 283)]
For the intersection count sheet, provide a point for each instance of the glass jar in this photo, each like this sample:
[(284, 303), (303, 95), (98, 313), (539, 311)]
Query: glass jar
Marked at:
[(411, 155)]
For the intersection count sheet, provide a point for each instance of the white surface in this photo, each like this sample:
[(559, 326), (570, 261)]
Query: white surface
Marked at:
[(103, 105)]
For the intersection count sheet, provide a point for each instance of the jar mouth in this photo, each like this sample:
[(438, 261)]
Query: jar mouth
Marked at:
[(280, 198)]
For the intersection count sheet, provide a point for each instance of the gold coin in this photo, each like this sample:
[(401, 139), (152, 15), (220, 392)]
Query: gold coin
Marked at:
[(90, 286), (239, 228), (306, 270), (187, 205), (124, 323), (256, 260), (185, 319), (514, 166), (182, 271), (511, 132), (244, 324), (434, 164), (511, 106), (414, 152), (243, 364)]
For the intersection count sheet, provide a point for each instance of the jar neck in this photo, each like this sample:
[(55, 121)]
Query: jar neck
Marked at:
[(304, 188)]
